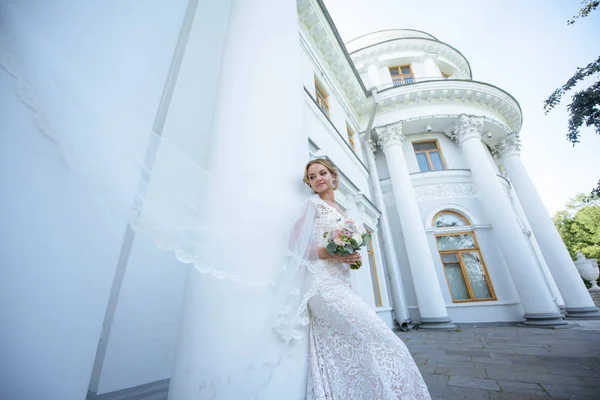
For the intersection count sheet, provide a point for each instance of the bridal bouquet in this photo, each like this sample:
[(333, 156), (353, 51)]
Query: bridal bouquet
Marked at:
[(346, 238)]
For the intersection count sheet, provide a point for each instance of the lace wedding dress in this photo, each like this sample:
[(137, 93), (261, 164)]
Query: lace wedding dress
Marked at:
[(353, 353)]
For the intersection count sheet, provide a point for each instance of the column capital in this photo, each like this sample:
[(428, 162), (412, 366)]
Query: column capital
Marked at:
[(467, 127), (508, 146), (390, 134), (371, 145)]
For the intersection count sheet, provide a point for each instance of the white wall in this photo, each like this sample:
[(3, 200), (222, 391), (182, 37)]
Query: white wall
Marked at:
[(144, 335), (142, 342), (60, 242), (327, 139), (450, 151), (60, 245)]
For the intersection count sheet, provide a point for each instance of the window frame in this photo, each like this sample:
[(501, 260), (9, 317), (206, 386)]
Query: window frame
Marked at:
[(322, 98), (461, 262), (459, 215), (374, 276), (438, 149), (351, 137), (401, 75)]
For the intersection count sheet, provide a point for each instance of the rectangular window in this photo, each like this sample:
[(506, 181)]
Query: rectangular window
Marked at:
[(429, 156), (374, 277), (464, 267), (402, 75), (351, 138), (322, 99)]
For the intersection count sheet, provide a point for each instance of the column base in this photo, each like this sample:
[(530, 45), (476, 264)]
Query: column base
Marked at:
[(591, 312), (544, 320), (436, 323), (563, 311)]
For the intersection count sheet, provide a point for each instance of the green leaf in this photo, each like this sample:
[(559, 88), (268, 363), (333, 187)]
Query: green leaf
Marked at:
[(331, 247)]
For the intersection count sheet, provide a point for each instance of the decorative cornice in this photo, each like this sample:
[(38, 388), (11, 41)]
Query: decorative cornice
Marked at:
[(467, 127), (427, 56), (509, 145), (452, 91), (446, 190), (438, 191), (390, 134), (404, 44), (318, 26)]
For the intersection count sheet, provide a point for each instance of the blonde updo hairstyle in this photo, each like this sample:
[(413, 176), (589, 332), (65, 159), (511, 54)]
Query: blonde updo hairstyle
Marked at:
[(327, 164)]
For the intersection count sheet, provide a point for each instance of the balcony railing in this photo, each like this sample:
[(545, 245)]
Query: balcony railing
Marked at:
[(408, 80)]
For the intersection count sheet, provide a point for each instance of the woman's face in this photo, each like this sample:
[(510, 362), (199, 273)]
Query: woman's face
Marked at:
[(320, 178)]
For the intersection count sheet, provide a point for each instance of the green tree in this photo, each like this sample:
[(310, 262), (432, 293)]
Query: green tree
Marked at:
[(585, 104), (579, 226)]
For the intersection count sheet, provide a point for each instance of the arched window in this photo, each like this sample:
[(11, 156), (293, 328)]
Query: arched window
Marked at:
[(464, 266)]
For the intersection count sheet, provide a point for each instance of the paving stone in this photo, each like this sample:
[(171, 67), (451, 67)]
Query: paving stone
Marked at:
[(456, 393), (577, 371), (526, 363), (473, 383), (485, 360), (516, 368), (437, 381), (592, 381), (476, 353), (427, 369), (573, 393), (522, 388), (520, 396), (534, 378), (466, 372)]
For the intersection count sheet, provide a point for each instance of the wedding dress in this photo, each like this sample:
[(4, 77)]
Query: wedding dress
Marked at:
[(353, 354)]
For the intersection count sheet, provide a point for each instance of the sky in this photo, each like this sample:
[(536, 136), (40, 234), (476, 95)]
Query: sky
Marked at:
[(522, 46)]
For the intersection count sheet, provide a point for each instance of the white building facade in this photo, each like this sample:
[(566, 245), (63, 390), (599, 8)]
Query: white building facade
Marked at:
[(430, 155)]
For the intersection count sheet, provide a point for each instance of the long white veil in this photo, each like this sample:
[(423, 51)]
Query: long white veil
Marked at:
[(219, 224)]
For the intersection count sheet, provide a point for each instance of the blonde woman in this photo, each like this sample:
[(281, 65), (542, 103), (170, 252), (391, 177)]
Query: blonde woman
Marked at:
[(353, 354)]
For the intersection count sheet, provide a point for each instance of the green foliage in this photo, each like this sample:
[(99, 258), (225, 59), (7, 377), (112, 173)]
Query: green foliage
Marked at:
[(585, 104), (588, 7), (579, 226)]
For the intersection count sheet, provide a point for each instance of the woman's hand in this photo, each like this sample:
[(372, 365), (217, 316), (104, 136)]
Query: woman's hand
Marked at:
[(351, 259)]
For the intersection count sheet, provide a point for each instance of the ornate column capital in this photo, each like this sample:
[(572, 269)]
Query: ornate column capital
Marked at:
[(390, 134), (371, 145), (467, 127), (508, 146)]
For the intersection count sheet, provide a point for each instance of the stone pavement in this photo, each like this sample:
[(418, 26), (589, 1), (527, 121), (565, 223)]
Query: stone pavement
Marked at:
[(509, 362)]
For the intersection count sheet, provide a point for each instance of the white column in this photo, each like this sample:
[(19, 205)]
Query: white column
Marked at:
[(389, 250), (577, 300), (256, 143), (373, 73), (432, 70), (427, 287), (536, 299)]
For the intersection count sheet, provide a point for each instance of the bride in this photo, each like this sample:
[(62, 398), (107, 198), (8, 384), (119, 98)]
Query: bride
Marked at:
[(353, 354)]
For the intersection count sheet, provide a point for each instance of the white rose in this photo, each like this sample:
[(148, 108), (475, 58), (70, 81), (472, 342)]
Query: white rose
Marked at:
[(357, 238)]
